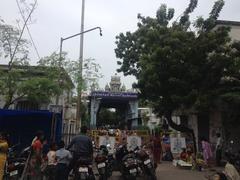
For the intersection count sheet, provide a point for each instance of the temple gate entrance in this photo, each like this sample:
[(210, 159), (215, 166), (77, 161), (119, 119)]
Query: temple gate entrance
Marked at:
[(125, 102)]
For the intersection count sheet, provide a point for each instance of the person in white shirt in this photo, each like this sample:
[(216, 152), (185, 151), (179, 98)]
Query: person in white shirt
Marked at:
[(51, 162), (63, 159)]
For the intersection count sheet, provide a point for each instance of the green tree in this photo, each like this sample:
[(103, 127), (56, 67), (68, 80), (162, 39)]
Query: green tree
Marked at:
[(89, 81), (59, 70), (178, 68), (85, 118), (14, 50), (91, 74), (107, 117), (18, 78), (91, 71)]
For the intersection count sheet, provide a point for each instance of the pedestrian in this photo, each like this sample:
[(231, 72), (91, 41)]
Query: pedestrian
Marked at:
[(50, 170), (3, 152), (230, 171), (184, 155), (82, 147), (218, 149), (35, 172), (207, 152), (63, 159), (157, 149)]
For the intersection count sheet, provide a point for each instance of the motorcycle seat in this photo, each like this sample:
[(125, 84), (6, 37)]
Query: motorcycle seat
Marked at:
[(84, 161)]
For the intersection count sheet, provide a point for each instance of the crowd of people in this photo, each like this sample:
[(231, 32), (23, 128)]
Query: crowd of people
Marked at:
[(54, 161), (49, 164)]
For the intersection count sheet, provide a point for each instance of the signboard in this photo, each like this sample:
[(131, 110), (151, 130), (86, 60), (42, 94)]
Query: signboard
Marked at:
[(105, 140), (177, 144), (133, 142), (114, 94)]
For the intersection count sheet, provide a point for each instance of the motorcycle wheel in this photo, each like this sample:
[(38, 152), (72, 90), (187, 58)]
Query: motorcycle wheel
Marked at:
[(152, 175), (129, 177), (103, 177), (80, 176), (11, 178)]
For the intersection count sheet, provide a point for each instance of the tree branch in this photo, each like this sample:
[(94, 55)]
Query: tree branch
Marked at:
[(29, 33), (9, 44), (181, 128), (20, 37), (6, 106)]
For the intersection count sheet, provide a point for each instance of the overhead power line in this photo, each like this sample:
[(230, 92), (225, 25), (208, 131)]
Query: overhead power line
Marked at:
[(28, 30)]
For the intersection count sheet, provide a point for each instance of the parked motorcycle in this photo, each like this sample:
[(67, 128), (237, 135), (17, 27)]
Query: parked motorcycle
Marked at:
[(15, 164), (83, 169), (129, 166), (104, 162), (146, 163)]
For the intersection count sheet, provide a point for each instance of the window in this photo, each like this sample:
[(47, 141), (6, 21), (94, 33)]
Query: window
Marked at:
[(27, 105)]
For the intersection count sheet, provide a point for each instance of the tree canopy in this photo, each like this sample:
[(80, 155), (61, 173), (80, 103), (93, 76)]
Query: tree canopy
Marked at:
[(19, 79), (182, 64)]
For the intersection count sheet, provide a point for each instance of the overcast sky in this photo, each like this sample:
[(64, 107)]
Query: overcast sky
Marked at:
[(62, 18)]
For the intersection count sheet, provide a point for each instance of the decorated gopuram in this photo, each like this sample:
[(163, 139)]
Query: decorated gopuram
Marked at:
[(115, 96)]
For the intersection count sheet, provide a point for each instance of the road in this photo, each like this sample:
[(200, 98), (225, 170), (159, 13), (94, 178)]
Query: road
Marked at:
[(166, 171)]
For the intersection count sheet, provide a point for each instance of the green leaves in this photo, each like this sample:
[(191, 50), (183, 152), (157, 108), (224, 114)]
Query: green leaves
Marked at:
[(218, 5), (184, 20), (177, 67), (9, 40), (39, 89)]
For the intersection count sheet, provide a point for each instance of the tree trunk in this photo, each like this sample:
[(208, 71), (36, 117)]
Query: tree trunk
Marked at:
[(181, 128), (8, 102), (7, 105)]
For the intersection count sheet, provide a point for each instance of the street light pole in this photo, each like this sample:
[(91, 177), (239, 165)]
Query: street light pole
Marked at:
[(69, 37), (60, 58), (79, 93)]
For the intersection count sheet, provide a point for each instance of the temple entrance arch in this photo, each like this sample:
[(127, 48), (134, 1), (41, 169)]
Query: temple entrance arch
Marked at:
[(109, 116), (115, 96)]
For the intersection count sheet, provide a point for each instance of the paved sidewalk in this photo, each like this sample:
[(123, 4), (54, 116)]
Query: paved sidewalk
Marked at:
[(166, 171)]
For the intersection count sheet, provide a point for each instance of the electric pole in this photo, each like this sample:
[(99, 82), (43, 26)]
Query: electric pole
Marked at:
[(80, 83)]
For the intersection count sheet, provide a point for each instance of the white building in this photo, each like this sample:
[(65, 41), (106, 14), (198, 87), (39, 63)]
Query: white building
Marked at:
[(62, 103)]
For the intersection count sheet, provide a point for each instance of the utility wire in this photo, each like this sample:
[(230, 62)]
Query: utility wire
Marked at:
[(29, 33)]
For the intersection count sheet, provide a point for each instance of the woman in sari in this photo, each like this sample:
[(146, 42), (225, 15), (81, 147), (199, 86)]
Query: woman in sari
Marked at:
[(157, 149), (36, 157), (207, 151), (3, 153)]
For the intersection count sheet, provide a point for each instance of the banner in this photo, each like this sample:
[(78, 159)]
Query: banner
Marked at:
[(177, 144), (133, 142), (105, 140)]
